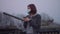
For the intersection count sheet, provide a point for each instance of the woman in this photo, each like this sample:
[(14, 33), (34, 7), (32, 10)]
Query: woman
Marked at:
[(33, 19)]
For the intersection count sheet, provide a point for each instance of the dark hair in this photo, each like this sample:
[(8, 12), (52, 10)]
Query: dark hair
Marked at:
[(33, 9)]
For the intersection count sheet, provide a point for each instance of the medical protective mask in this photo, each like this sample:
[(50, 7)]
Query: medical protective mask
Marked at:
[(28, 10)]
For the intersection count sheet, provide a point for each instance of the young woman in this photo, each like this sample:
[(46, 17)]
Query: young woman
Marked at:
[(33, 19)]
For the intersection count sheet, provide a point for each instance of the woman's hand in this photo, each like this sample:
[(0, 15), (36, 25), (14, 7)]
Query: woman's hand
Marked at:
[(26, 19)]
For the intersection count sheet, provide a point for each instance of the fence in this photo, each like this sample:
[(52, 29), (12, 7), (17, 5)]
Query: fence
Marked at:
[(17, 31)]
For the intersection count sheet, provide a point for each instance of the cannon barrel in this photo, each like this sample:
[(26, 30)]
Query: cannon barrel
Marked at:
[(12, 16)]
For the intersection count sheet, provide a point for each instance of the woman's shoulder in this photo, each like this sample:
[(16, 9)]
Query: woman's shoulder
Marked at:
[(38, 15)]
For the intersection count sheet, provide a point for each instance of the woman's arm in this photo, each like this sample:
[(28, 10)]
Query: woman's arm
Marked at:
[(38, 20)]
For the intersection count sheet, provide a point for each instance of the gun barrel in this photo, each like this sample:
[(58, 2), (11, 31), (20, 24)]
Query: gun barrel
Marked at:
[(12, 16)]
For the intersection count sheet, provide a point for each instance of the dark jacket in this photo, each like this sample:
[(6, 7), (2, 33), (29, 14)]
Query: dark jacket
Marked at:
[(35, 21)]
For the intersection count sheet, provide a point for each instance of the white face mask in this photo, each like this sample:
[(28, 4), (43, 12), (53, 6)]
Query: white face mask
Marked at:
[(28, 10)]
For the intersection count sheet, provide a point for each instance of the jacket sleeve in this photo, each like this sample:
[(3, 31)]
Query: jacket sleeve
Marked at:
[(38, 21)]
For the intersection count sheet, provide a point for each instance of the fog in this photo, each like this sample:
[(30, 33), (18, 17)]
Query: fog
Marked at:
[(14, 7)]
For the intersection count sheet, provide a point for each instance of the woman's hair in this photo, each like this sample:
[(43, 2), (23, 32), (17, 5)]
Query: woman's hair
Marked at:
[(33, 9)]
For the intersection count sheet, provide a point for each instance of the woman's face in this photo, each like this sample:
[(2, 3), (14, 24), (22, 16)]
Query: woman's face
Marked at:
[(29, 9)]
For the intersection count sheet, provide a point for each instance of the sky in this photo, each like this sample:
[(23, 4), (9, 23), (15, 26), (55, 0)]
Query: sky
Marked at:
[(50, 7)]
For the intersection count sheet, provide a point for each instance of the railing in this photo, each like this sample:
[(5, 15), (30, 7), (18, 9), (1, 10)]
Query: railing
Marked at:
[(17, 31), (50, 32)]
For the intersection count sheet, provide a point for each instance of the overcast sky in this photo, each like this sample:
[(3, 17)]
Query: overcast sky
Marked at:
[(50, 7)]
